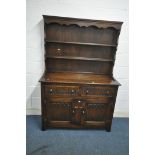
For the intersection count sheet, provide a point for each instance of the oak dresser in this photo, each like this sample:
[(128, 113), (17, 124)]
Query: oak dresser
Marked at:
[(78, 89)]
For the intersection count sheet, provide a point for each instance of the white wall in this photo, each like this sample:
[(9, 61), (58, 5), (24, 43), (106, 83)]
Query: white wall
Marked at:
[(92, 9)]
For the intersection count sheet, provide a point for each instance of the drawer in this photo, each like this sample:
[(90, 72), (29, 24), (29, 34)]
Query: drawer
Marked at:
[(56, 90), (104, 91)]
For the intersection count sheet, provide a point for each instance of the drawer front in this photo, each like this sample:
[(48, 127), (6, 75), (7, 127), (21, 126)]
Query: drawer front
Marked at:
[(104, 91), (56, 90)]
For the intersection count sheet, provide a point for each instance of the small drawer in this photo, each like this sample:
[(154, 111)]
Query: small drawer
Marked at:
[(56, 90), (104, 91)]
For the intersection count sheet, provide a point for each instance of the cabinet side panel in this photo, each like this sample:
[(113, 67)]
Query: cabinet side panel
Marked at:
[(43, 107)]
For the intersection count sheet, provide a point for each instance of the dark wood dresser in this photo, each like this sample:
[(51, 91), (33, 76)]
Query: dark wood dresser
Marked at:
[(78, 89)]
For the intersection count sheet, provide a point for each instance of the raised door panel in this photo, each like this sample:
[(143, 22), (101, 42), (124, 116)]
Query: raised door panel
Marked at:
[(99, 111), (58, 111)]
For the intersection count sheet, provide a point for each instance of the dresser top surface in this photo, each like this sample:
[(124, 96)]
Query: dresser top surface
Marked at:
[(78, 78)]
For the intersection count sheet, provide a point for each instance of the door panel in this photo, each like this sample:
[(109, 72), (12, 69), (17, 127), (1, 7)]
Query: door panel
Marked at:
[(97, 112), (58, 111)]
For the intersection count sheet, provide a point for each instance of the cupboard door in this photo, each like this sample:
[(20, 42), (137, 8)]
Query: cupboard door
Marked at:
[(58, 111), (99, 111)]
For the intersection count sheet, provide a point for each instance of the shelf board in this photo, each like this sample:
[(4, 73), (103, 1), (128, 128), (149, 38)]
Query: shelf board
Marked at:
[(78, 58), (80, 43)]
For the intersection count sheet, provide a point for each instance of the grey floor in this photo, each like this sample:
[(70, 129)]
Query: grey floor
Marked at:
[(77, 142)]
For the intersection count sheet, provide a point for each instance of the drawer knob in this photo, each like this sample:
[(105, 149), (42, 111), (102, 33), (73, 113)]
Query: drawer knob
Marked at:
[(51, 91), (87, 91), (79, 101), (73, 111), (83, 112), (72, 91), (108, 92)]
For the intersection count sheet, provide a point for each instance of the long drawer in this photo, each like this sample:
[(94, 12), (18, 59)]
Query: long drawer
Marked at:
[(84, 91)]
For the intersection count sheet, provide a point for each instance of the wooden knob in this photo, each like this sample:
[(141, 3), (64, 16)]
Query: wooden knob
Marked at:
[(72, 91), (87, 91), (73, 111), (59, 52), (51, 91), (108, 91), (83, 112)]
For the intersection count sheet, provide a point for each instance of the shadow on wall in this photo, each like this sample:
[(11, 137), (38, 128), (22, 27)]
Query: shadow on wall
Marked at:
[(33, 101), (41, 27), (33, 95)]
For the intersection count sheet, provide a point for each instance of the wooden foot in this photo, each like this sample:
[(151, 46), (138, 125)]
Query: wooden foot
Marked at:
[(43, 126), (108, 128), (43, 129)]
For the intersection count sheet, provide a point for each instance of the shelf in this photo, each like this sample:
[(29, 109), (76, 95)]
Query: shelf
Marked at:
[(78, 58), (80, 43)]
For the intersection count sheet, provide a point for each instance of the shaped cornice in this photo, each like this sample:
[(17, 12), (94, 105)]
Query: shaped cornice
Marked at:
[(82, 22)]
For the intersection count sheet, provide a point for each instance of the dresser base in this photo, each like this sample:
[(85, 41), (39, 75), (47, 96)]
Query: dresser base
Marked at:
[(78, 105)]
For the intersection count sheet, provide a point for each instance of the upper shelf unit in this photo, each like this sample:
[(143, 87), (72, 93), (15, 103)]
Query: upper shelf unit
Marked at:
[(79, 45), (79, 31)]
